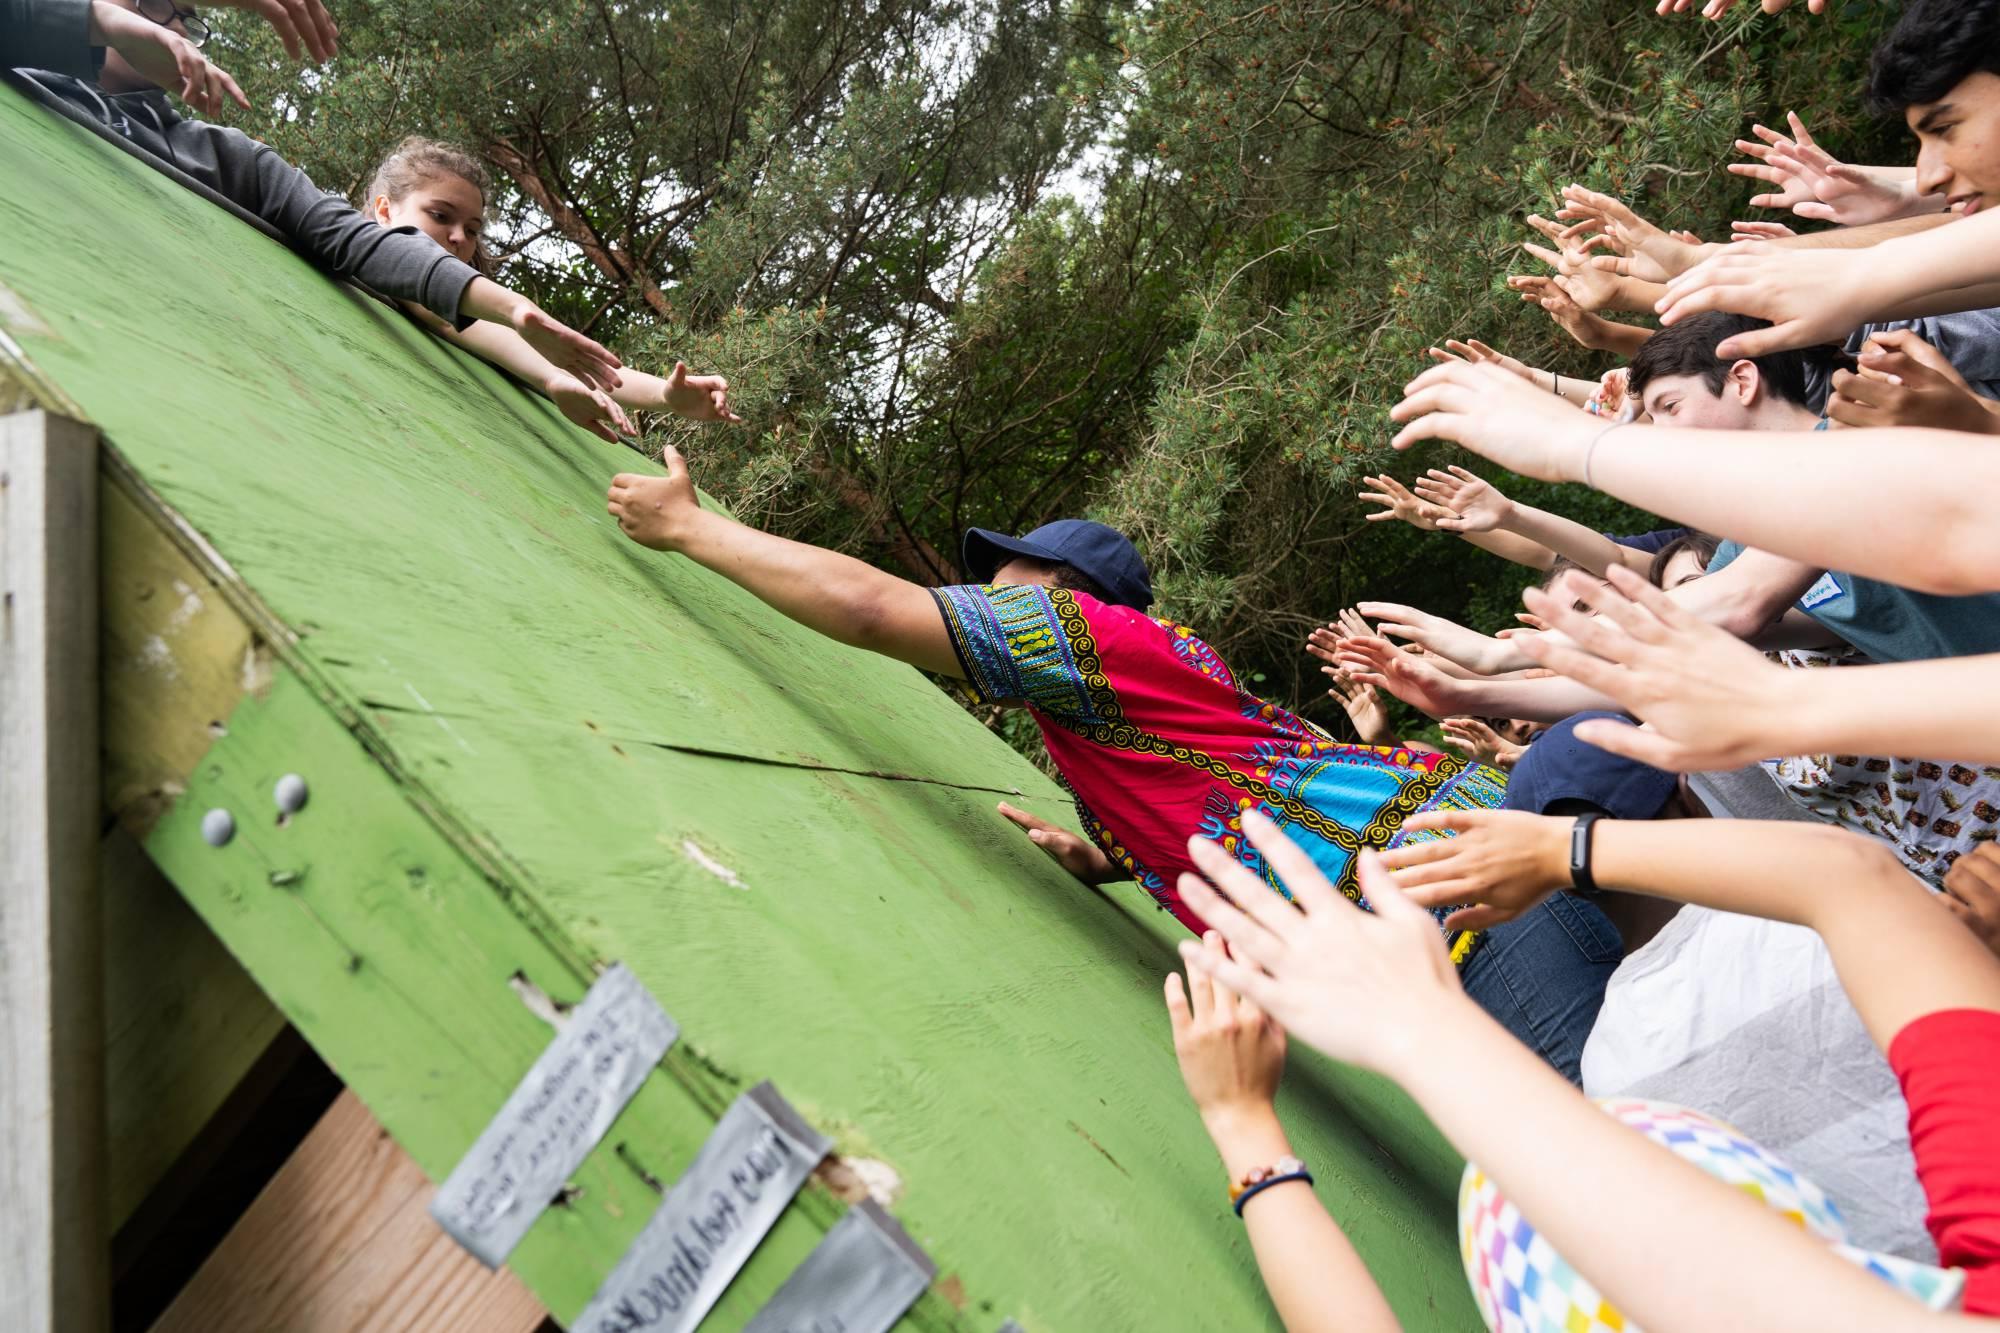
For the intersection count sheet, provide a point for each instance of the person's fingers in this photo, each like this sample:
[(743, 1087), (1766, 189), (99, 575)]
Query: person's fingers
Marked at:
[(1247, 937), (1179, 1015), (1248, 891), (1414, 854), (1023, 818), (1201, 995), (279, 16), (1228, 1005), (1800, 134), (1248, 981), (1547, 256), (1389, 902), (1648, 746), (1308, 883)]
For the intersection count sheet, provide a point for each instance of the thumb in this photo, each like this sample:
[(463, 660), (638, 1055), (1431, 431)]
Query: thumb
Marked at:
[(676, 465), (678, 378), (1815, 210)]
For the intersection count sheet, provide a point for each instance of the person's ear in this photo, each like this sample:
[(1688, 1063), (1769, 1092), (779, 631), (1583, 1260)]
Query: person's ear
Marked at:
[(1743, 382), (378, 209)]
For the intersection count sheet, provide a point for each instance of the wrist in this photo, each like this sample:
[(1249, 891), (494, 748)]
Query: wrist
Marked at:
[(1246, 1135)]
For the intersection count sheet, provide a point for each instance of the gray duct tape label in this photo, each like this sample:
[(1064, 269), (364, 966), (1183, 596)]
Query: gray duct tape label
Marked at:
[(704, 1231), (554, 1117), (859, 1279)]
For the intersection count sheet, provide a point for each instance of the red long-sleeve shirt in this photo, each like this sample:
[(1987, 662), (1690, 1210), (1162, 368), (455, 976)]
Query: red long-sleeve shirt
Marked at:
[(1949, 1066)]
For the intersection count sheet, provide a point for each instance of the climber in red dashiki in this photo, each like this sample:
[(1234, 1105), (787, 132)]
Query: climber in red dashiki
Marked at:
[(1150, 730)]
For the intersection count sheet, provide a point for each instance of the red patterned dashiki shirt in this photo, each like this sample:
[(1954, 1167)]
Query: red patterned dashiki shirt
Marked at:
[(1157, 742)]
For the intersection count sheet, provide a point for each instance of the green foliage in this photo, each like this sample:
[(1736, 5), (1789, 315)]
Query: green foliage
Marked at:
[(994, 261)]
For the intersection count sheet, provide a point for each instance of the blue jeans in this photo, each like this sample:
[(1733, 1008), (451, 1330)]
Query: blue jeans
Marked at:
[(1542, 976)]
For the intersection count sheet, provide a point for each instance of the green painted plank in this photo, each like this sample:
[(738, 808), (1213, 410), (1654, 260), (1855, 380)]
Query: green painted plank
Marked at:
[(543, 701)]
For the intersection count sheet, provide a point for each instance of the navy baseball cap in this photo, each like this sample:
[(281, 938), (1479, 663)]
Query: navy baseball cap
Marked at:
[(1105, 555), (1559, 767)]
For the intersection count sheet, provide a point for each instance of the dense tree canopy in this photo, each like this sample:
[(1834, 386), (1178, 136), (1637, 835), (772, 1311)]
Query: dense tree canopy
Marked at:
[(994, 261)]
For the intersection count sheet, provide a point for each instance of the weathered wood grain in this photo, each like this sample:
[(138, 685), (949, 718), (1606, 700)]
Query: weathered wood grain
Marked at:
[(339, 1242), (54, 1241)]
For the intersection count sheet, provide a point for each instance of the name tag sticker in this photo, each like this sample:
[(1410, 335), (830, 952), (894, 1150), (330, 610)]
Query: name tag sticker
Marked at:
[(860, 1279), (704, 1231), (1823, 591), (558, 1112)]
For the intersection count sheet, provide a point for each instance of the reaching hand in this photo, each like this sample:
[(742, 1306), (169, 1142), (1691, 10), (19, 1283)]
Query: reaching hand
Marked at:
[(1758, 231), (1364, 707), (1612, 389), (1066, 849), (1363, 987), (1472, 650), (1972, 892), (1480, 743), (1703, 694), (656, 511), (1814, 184), (1497, 416), (1416, 682), (1477, 505), (1591, 287), (1324, 643), (697, 397), (1398, 503), (1810, 296), (1652, 254), (167, 58), (297, 23), (566, 349), (1904, 381), (1476, 351), (589, 408), (1231, 1053), (1573, 319), (1499, 863), (1715, 9)]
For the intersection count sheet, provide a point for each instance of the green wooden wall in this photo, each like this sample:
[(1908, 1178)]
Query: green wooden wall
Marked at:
[(516, 725)]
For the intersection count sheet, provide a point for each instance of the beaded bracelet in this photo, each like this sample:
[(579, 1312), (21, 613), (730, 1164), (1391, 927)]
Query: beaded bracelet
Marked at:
[(1262, 1185)]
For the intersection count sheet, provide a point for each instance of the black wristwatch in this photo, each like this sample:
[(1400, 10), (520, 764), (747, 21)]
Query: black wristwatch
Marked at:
[(1579, 853)]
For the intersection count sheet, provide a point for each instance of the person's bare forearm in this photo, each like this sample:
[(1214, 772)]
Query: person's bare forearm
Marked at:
[(1924, 498), (1861, 237), (837, 595), (1537, 1138), (499, 344), (1635, 296), (1570, 539), (1623, 340), (1510, 547), (1316, 1279), (487, 300), (1544, 699), (1911, 708)]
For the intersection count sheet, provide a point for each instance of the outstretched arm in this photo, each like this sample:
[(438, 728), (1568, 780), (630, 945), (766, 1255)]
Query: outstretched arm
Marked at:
[(1479, 506), (1231, 1056), (1377, 990), (1711, 702), (1899, 954), (1924, 498), (837, 595)]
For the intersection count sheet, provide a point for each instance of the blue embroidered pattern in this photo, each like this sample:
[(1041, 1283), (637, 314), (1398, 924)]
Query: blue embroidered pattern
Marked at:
[(1013, 647)]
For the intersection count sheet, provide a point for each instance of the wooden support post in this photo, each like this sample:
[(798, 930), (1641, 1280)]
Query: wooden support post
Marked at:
[(54, 1244)]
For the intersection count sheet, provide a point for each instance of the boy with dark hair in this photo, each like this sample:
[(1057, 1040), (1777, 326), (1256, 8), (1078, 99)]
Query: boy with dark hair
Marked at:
[(1687, 350)]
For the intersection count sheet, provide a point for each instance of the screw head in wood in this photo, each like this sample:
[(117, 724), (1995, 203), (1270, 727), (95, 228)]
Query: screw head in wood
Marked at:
[(218, 826), (290, 794)]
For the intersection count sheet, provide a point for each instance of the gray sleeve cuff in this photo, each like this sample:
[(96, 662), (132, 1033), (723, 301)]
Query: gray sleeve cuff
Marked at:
[(444, 290), (50, 34)]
